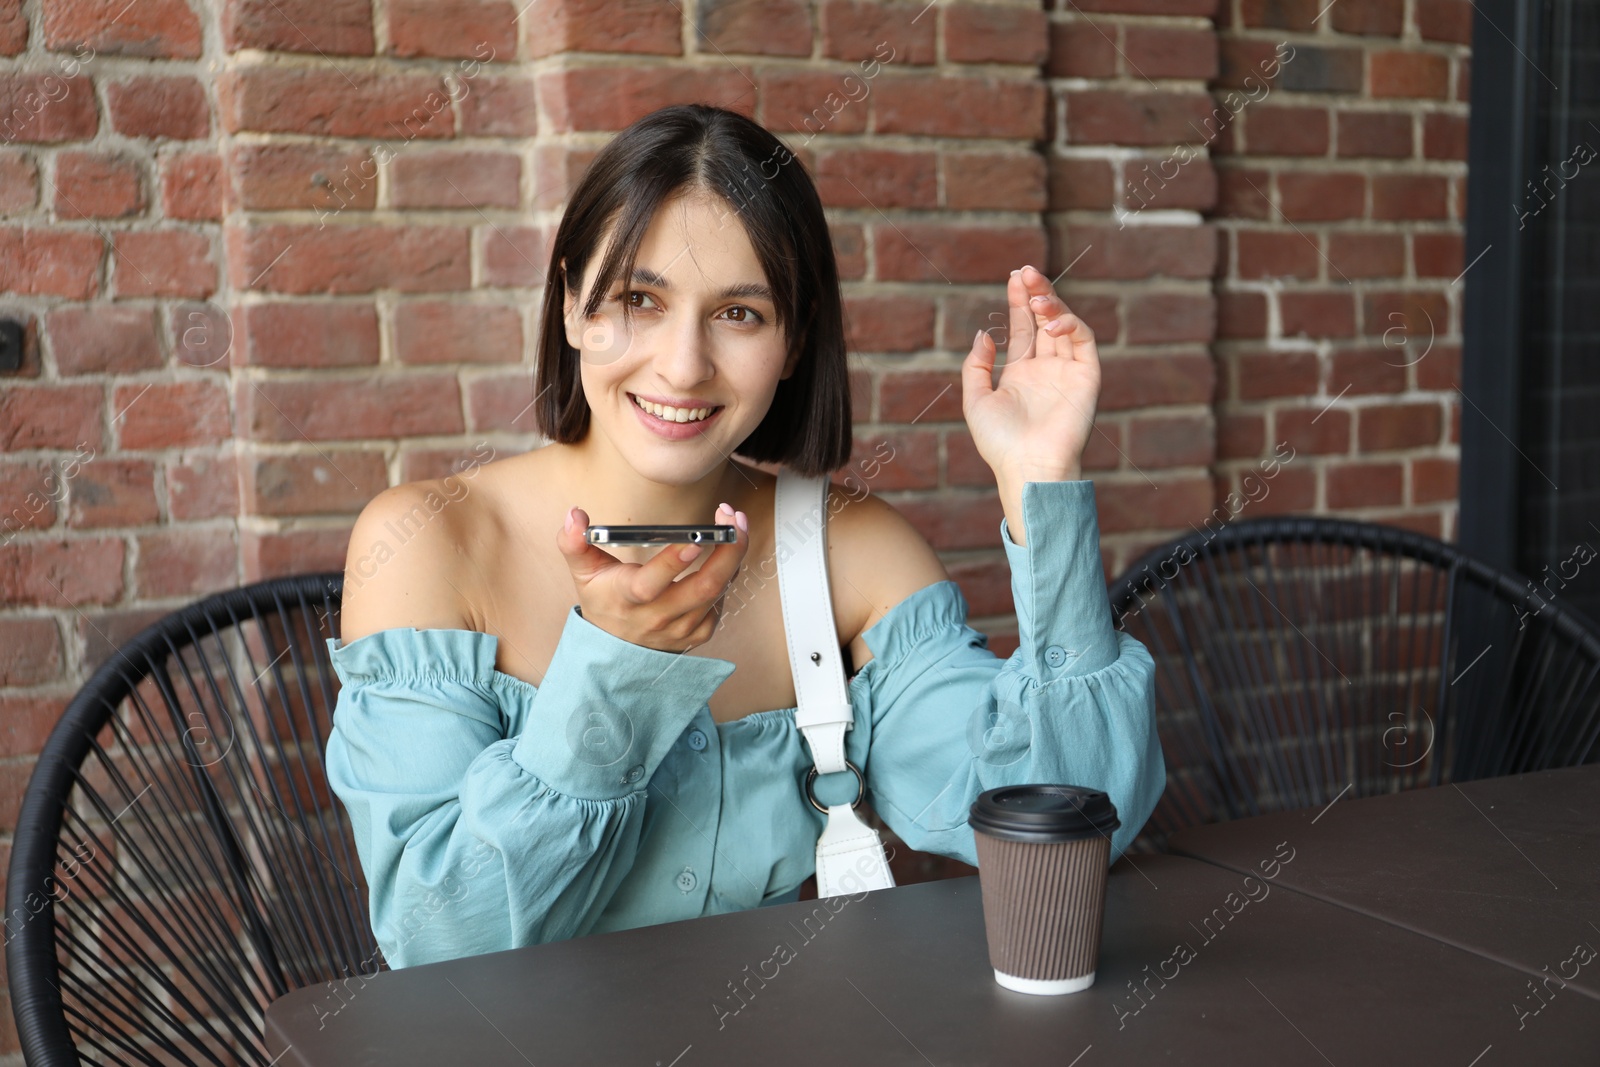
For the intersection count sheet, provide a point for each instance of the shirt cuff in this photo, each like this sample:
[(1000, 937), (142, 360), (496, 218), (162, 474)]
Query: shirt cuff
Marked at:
[(608, 711), (1059, 584)]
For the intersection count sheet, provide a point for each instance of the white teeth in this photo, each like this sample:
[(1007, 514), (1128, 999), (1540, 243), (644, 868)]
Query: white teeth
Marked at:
[(672, 414)]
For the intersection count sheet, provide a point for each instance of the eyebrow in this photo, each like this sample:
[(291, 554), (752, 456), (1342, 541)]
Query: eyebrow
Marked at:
[(646, 276)]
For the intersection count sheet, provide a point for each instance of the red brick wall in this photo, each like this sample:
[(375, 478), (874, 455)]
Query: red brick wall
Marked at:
[(274, 255), (1127, 91), (1340, 210), (1261, 205)]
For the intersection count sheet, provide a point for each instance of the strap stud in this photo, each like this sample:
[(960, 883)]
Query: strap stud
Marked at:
[(816, 657)]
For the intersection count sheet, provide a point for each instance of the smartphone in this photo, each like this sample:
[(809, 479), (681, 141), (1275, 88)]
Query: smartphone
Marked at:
[(661, 535)]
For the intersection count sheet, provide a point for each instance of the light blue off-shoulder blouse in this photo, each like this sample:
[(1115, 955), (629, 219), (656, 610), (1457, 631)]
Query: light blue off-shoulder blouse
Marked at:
[(490, 814)]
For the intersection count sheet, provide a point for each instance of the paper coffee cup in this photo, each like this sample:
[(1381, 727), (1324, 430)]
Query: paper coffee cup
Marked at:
[(1042, 857)]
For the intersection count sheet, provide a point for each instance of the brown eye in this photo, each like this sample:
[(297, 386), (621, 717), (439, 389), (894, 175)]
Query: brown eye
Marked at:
[(740, 313)]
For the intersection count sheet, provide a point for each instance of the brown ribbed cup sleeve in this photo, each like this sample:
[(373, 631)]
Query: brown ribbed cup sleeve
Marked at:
[(1043, 904)]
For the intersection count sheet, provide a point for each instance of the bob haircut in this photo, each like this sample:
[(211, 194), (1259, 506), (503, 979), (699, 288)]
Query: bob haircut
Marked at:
[(689, 147)]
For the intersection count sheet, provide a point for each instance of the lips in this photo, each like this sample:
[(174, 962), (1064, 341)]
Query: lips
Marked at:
[(672, 414), (674, 431)]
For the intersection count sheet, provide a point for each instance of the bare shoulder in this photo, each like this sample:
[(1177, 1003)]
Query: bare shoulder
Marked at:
[(399, 566), (878, 552)]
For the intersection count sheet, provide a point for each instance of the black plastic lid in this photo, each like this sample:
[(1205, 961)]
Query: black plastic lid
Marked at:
[(1043, 813)]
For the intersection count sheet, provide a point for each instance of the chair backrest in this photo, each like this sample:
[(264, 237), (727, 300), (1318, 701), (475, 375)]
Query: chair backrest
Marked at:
[(1303, 659), (179, 861)]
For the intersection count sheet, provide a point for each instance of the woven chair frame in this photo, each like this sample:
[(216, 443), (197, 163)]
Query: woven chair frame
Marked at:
[(178, 861), (1303, 659)]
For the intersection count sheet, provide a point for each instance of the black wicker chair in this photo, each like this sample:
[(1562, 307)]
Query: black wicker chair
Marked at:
[(179, 861), (1299, 659)]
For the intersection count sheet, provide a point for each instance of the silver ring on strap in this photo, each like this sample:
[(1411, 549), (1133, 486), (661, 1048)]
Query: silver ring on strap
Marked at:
[(861, 787)]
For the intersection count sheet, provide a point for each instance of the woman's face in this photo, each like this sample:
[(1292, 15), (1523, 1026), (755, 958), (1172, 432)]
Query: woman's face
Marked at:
[(702, 336)]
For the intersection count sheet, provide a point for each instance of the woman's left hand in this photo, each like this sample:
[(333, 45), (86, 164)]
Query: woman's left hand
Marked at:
[(1033, 426)]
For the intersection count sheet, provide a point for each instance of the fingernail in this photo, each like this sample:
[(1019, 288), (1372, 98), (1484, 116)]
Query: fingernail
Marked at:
[(572, 515), (742, 520), (724, 509), (1041, 300), (689, 553), (1052, 324)]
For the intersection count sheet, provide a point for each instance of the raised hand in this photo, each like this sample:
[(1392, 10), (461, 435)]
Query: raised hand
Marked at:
[(1032, 426)]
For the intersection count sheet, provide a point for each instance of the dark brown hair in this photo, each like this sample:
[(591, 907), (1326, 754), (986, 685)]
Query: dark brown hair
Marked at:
[(695, 146)]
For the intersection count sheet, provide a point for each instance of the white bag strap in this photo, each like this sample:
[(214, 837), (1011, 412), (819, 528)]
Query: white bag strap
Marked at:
[(848, 847)]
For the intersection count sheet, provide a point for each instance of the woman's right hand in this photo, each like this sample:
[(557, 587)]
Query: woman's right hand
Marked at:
[(644, 603)]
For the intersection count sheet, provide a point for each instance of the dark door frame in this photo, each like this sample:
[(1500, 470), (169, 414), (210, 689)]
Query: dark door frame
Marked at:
[(1500, 156)]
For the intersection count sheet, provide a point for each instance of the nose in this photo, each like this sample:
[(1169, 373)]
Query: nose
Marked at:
[(684, 359)]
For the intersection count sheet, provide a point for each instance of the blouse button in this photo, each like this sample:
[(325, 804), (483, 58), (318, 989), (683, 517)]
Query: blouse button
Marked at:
[(687, 881), (1055, 655), (697, 740), (635, 773)]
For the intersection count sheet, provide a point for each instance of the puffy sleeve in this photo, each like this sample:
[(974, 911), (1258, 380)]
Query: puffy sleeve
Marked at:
[(490, 814), (1075, 703)]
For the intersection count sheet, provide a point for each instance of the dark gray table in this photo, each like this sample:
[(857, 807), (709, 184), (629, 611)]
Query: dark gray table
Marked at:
[(902, 977), (1507, 868)]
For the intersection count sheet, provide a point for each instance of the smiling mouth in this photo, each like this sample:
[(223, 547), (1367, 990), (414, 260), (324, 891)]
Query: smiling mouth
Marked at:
[(671, 414)]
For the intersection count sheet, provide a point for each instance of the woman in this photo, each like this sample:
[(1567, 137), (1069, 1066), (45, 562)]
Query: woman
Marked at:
[(538, 738)]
